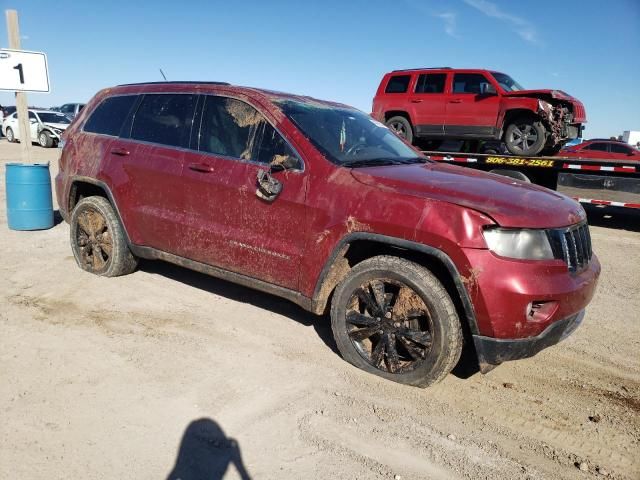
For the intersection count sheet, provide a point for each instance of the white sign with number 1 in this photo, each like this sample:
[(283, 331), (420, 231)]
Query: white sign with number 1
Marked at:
[(22, 71)]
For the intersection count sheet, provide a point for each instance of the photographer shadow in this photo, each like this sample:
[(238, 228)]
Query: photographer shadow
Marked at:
[(206, 452)]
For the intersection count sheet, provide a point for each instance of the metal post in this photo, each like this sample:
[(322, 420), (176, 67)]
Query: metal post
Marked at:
[(21, 98)]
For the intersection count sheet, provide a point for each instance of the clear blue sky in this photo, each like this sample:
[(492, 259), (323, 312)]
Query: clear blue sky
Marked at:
[(338, 50)]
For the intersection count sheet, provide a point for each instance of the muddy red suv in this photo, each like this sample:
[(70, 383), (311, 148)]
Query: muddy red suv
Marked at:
[(434, 104), (320, 204)]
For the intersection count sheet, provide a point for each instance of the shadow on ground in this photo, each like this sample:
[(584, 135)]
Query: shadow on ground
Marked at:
[(613, 217), (466, 367), (206, 453), (223, 288)]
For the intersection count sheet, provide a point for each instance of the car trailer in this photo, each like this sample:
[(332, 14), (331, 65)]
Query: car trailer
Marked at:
[(588, 180)]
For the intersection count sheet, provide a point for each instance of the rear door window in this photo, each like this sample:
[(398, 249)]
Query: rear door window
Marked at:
[(165, 119), (398, 84), (108, 117), (431, 83)]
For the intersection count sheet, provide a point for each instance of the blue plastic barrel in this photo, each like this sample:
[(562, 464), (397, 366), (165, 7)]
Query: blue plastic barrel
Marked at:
[(29, 205)]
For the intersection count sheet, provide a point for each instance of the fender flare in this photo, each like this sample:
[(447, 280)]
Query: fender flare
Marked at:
[(107, 191), (406, 245)]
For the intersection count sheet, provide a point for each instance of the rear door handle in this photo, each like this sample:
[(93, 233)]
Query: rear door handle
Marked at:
[(201, 167), (457, 100), (415, 100), (120, 152)]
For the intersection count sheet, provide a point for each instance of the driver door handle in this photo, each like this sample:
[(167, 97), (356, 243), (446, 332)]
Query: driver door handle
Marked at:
[(121, 152), (455, 100), (415, 100), (201, 167)]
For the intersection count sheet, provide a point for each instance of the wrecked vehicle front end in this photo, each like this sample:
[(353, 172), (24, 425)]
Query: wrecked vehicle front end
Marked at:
[(563, 115)]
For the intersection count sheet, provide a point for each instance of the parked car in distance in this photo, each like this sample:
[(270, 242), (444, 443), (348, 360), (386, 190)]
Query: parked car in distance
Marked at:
[(70, 109), (46, 127), (603, 149), (435, 104), (320, 204)]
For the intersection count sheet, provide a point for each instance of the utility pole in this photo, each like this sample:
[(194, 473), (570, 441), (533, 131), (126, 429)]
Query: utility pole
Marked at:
[(21, 98)]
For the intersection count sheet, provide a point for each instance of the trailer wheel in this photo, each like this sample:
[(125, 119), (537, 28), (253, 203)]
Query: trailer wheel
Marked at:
[(402, 127), (525, 136)]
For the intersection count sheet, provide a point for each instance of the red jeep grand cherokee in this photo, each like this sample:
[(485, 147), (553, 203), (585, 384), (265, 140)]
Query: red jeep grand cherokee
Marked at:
[(320, 204), (443, 103)]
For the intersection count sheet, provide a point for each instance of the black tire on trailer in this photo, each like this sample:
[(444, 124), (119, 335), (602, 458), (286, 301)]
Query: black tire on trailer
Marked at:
[(393, 318), (98, 240), (45, 140), (525, 136), (402, 127), (11, 138), (552, 150)]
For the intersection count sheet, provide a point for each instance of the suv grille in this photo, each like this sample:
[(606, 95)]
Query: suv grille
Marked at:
[(573, 245)]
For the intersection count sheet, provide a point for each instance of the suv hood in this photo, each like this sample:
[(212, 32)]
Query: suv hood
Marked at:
[(544, 94), (59, 126), (511, 203)]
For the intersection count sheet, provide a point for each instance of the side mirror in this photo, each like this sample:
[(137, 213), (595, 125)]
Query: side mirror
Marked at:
[(268, 187), (280, 163), (487, 89), (33, 120)]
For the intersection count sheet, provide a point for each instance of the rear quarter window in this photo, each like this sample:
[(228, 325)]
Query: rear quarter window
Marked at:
[(398, 84), (108, 117)]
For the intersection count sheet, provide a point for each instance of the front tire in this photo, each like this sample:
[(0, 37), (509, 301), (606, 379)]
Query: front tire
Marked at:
[(525, 136), (393, 318), (45, 140), (402, 127), (98, 241), (11, 138)]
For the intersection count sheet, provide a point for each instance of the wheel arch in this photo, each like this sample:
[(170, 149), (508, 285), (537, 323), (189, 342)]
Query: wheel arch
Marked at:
[(82, 187), (358, 246), (397, 113), (514, 113)]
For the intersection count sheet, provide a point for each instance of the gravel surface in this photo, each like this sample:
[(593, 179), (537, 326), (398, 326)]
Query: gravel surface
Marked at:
[(169, 373)]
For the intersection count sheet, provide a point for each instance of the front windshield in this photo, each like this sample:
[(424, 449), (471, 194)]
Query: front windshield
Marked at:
[(507, 83), (347, 136), (53, 117)]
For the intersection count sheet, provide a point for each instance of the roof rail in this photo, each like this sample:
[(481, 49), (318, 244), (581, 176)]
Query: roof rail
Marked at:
[(422, 68), (191, 82)]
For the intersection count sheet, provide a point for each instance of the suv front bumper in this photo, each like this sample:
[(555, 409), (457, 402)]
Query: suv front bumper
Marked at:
[(494, 351)]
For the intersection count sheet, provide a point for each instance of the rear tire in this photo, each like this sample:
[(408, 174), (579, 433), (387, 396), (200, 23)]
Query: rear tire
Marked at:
[(393, 318), (11, 138), (98, 241), (525, 136), (402, 127)]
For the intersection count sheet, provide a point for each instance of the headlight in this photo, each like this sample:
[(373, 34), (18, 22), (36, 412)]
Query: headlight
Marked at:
[(519, 243)]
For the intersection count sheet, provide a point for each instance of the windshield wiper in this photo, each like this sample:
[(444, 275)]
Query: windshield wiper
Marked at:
[(371, 162)]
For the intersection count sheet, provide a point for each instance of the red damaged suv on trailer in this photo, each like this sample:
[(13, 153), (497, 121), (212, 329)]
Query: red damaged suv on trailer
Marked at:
[(320, 204), (434, 104)]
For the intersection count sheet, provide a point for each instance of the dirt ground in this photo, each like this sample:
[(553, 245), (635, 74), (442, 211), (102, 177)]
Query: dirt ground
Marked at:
[(167, 372)]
